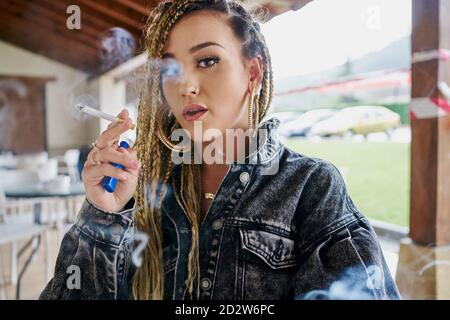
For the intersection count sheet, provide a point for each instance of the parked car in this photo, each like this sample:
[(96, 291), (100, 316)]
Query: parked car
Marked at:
[(285, 116), (302, 125), (358, 120)]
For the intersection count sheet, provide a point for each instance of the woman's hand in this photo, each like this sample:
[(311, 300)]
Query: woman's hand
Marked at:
[(98, 165)]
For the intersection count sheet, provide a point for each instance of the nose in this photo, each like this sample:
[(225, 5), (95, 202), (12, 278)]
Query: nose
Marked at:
[(189, 90), (187, 87)]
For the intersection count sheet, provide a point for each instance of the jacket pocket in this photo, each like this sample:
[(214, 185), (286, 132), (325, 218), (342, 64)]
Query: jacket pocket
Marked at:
[(275, 250)]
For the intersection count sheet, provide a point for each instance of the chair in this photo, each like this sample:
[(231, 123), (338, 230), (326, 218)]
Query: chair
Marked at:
[(54, 214), (60, 213), (16, 225), (71, 158), (74, 205), (18, 178), (3, 295), (8, 160), (16, 209)]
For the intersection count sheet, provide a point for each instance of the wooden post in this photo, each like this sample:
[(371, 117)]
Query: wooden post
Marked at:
[(424, 271)]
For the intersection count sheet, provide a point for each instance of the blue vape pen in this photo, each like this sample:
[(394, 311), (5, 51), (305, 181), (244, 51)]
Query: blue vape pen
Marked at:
[(109, 183)]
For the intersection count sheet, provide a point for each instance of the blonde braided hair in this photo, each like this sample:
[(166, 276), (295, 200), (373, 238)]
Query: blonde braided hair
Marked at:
[(157, 168)]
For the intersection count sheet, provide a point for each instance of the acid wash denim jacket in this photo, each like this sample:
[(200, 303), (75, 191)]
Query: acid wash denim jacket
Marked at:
[(293, 233)]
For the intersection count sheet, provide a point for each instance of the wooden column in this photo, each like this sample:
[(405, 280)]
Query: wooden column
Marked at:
[(421, 272), (430, 149)]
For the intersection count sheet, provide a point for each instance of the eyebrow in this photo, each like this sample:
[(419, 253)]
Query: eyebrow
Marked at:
[(194, 48)]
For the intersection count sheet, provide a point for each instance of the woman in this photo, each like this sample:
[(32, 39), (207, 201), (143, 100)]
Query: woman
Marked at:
[(278, 225)]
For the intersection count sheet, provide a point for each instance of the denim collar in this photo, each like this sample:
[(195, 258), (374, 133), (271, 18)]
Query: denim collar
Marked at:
[(267, 140), (265, 144)]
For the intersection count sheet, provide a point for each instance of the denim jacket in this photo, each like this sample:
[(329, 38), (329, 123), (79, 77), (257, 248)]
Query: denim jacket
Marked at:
[(293, 233)]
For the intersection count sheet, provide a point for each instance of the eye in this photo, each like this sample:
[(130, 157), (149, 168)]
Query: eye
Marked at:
[(208, 62)]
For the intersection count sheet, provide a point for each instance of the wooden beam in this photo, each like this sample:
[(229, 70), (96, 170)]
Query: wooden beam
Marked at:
[(34, 15), (298, 4), (135, 6), (87, 18), (430, 148), (91, 17), (33, 38), (59, 17), (103, 10), (16, 21), (124, 10)]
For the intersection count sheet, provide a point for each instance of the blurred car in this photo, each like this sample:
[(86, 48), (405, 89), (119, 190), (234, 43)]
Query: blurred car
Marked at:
[(285, 116), (301, 126), (358, 120)]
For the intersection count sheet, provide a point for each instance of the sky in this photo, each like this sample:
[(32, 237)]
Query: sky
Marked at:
[(325, 33)]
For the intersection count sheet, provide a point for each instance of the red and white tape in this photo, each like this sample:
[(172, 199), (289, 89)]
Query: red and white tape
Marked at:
[(440, 54), (427, 108)]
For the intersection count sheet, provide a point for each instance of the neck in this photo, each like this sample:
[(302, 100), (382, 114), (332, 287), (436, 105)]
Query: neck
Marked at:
[(213, 173), (224, 150)]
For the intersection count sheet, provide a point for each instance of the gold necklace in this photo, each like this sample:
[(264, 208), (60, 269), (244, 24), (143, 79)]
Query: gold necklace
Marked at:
[(209, 195)]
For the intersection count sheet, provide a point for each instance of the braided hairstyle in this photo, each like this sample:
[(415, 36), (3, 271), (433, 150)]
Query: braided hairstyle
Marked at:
[(157, 167)]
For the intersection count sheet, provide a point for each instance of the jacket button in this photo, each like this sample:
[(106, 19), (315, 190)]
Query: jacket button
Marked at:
[(116, 229), (244, 177), (217, 224), (206, 284)]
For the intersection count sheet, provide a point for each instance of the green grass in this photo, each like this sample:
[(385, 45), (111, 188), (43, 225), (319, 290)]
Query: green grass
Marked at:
[(377, 174)]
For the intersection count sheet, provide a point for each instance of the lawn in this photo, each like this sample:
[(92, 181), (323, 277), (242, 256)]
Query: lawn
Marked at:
[(377, 174)]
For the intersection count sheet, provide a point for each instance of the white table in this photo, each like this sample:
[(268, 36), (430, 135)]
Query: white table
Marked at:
[(11, 233)]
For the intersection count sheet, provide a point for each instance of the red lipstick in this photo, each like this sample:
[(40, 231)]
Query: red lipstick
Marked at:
[(193, 112)]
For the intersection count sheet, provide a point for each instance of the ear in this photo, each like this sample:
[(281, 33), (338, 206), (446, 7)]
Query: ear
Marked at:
[(255, 72)]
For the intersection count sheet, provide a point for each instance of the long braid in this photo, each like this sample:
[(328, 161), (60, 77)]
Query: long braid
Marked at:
[(265, 99)]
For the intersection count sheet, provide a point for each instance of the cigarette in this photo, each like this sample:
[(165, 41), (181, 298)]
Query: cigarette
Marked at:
[(99, 114)]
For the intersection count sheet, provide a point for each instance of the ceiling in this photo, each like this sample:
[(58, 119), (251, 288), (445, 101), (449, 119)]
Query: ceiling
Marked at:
[(40, 26)]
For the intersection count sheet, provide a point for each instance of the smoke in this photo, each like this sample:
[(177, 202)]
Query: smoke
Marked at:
[(432, 265), (14, 86), (141, 239), (117, 45), (83, 99), (354, 284), (171, 69), (7, 118)]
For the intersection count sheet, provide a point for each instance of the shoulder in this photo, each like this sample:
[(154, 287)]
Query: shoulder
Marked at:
[(310, 170), (324, 205)]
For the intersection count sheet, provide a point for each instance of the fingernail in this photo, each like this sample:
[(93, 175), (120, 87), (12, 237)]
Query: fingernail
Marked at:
[(124, 177)]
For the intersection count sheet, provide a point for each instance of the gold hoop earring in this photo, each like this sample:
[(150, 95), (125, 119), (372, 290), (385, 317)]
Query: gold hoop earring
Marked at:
[(253, 110), (256, 111), (250, 110), (160, 119)]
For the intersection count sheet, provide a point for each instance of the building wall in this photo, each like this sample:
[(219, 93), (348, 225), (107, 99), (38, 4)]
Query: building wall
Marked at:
[(63, 130)]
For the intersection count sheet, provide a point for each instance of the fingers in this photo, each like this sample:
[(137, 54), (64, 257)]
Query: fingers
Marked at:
[(131, 153), (122, 115), (108, 155), (105, 169), (112, 134)]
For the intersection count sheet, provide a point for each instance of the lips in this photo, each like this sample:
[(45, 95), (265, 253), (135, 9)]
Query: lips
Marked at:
[(193, 112)]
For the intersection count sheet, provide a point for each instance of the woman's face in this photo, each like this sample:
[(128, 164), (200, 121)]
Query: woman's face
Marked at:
[(215, 76)]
